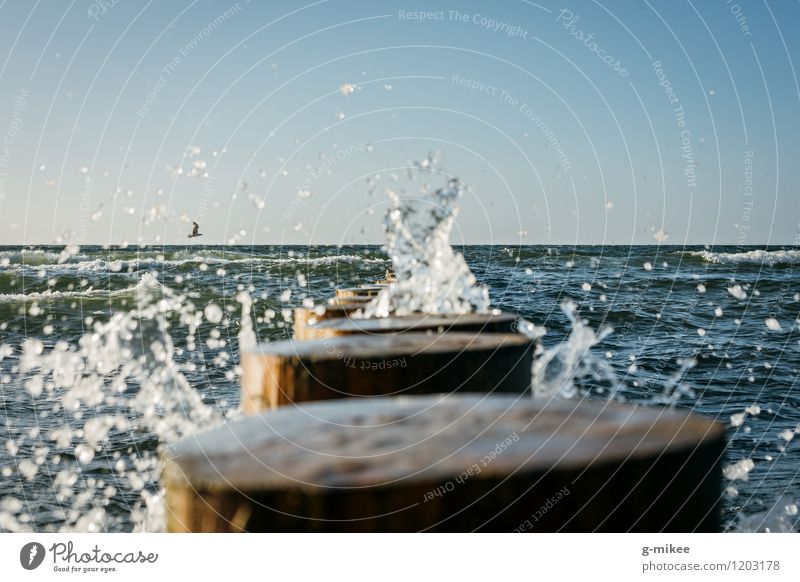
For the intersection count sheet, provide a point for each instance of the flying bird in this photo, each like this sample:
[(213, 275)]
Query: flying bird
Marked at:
[(195, 229)]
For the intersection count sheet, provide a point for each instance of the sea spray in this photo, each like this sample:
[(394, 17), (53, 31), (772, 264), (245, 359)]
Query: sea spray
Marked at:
[(559, 370), (247, 337), (782, 516), (431, 277), (101, 403), (96, 467), (675, 386)]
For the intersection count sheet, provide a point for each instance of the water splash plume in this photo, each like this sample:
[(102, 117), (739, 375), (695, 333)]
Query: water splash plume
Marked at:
[(559, 370), (431, 277)]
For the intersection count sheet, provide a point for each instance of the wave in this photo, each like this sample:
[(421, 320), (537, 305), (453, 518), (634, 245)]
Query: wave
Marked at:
[(146, 283), (32, 257), (326, 260), (110, 265), (755, 257)]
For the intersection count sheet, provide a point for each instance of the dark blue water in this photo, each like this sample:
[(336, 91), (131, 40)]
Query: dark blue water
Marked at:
[(732, 310)]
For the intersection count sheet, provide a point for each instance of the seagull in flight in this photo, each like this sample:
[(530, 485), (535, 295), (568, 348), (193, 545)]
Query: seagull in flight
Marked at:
[(195, 230)]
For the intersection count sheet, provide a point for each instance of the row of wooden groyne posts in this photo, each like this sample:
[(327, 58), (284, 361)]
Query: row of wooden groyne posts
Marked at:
[(427, 423)]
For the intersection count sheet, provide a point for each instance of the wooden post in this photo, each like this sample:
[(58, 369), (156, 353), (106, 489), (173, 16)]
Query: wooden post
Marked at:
[(472, 322), (283, 372), (455, 463), (349, 300), (360, 291), (303, 317), (388, 278)]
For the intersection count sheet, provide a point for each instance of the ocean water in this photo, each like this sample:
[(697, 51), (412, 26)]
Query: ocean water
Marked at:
[(106, 354)]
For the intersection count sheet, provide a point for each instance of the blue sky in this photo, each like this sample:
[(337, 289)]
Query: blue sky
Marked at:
[(284, 122)]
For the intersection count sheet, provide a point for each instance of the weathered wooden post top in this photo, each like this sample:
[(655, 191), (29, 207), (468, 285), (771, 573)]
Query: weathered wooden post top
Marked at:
[(360, 291), (485, 322), (279, 373), (306, 316), (450, 463)]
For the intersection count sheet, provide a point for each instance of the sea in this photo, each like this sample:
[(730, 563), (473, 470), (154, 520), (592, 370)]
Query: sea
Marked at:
[(108, 354)]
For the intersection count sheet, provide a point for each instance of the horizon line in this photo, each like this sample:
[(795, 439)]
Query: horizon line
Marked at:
[(329, 244)]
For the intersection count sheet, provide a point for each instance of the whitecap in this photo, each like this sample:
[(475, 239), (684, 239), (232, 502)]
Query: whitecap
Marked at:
[(755, 257)]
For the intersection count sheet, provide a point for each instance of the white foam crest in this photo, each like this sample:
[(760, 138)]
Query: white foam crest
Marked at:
[(240, 257), (29, 252), (327, 260), (32, 257), (147, 280), (141, 264), (756, 257)]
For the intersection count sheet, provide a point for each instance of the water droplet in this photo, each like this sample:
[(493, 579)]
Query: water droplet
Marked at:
[(737, 292), (213, 313)]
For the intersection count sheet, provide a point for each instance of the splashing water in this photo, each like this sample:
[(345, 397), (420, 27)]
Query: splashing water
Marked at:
[(431, 277), (559, 370), (87, 413), (247, 337), (434, 279), (118, 369), (99, 404), (782, 517)]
